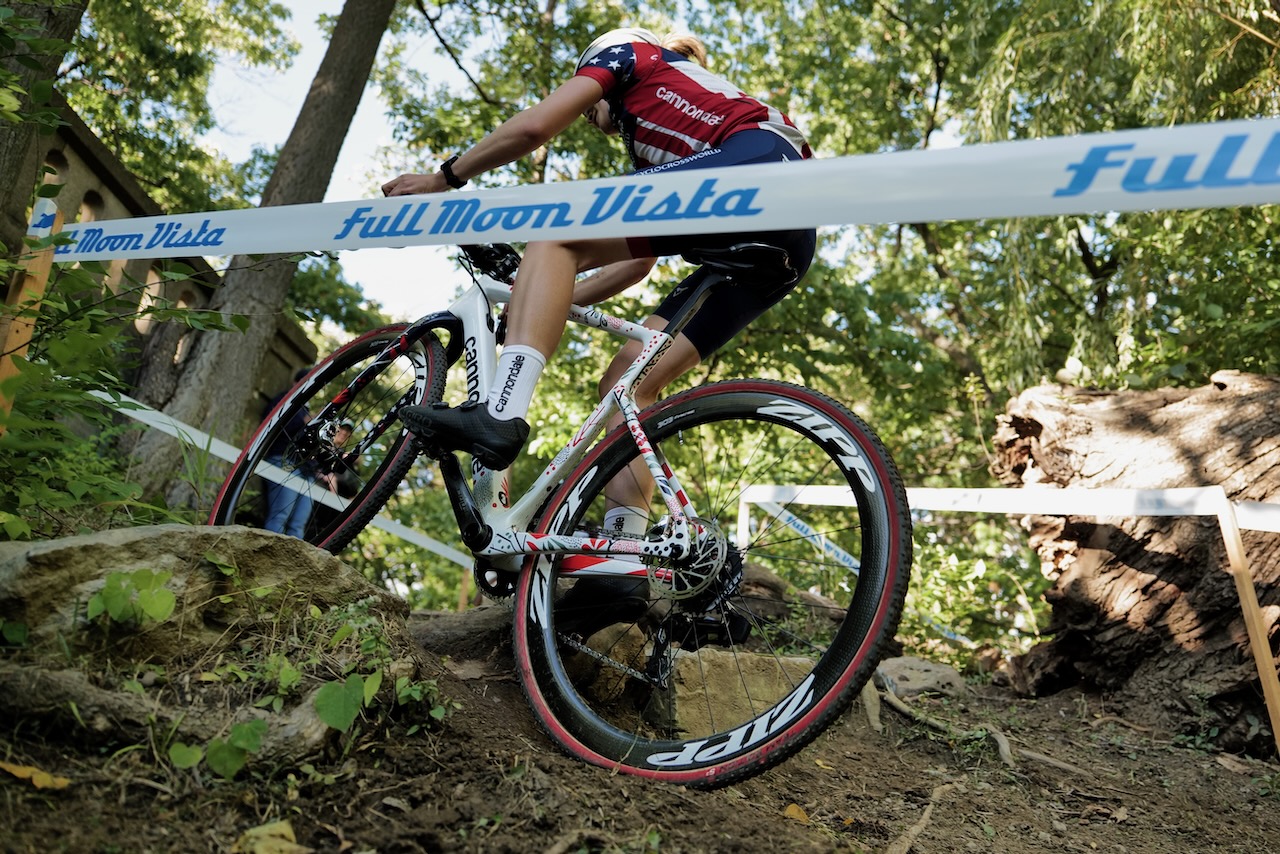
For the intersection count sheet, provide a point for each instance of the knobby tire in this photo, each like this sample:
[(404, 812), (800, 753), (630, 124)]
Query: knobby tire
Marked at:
[(387, 450), (660, 679)]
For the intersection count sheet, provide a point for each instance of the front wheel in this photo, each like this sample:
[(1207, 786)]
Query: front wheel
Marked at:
[(332, 452), (713, 668)]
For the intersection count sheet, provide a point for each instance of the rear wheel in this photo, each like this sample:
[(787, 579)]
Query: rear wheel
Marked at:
[(710, 669), (298, 443)]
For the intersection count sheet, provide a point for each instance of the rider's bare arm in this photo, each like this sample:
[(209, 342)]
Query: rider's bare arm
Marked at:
[(517, 136), (611, 279)]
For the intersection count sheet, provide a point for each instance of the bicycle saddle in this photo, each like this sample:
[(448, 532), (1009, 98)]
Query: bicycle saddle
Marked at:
[(749, 263)]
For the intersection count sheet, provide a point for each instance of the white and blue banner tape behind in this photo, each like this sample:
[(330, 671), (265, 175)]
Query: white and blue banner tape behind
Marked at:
[(1182, 167)]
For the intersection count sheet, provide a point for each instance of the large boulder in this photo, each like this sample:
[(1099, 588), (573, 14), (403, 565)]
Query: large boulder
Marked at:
[(259, 622)]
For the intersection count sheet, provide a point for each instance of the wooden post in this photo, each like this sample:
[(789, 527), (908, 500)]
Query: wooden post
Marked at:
[(28, 286), (1254, 623)]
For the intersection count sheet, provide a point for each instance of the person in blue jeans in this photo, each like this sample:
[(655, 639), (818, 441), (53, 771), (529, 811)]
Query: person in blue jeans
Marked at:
[(288, 510)]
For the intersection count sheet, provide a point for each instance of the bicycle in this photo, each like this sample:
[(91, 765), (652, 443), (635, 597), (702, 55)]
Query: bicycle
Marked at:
[(701, 653)]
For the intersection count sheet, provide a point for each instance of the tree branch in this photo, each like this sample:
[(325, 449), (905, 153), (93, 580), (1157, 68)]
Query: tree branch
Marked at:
[(457, 60), (893, 15), (940, 63), (1099, 272), (1248, 29)]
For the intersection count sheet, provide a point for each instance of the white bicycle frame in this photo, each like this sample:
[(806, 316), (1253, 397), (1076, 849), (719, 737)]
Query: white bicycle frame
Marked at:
[(490, 489)]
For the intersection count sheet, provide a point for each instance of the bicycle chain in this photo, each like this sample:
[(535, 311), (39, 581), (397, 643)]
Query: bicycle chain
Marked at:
[(611, 662)]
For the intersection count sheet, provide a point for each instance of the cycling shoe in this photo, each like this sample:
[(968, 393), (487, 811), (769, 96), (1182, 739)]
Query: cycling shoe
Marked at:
[(494, 442)]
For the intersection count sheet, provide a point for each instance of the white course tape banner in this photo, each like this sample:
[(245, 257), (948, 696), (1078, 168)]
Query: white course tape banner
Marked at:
[(1079, 501), (198, 439), (1189, 166)]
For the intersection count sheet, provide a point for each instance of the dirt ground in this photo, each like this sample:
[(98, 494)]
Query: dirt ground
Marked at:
[(1078, 777)]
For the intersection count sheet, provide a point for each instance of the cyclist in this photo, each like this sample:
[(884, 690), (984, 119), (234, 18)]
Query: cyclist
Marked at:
[(672, 114)]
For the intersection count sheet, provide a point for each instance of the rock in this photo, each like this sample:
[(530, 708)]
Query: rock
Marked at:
[(766, 678), (46, 585), (909, 677), (247, 603)]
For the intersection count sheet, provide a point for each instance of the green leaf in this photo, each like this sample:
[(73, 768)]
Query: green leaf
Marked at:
[(226, 568), (151, 579), (371, 686), (16, 528), (248, 735), (338, 703), (185, 755), (289, 676), (225, 759), (157, 604), (14, 632), (344, 631), (118, 599)]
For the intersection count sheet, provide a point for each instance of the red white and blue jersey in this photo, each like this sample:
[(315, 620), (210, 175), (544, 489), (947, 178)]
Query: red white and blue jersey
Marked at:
[(667, 106)]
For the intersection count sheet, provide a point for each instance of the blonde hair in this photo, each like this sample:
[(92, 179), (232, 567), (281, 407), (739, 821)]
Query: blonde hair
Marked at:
[(690, 47)]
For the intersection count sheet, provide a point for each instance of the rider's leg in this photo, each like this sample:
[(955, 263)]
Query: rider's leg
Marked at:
[(540, 300), (543, 289), (496, 431)]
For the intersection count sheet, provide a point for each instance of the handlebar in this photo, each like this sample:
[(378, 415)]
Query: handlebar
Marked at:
[(497, 260)]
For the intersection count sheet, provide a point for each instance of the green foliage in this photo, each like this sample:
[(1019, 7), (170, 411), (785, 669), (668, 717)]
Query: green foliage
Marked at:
[(1268, 785), (320, 294), (515, 53), (338, 657), (139, 74), (133, 598), (61, 455), (358, 631), (21, 40), (973, 586), (227, 757), (13, 632)]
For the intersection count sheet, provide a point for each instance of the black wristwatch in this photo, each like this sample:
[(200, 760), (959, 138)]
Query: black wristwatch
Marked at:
[(446, 169)]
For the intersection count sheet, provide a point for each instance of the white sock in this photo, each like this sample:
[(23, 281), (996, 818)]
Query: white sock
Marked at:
[(626, 520), (519, 368)]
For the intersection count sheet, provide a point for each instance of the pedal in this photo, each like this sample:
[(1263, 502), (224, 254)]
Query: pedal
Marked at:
[(432, 452), (693, 633)]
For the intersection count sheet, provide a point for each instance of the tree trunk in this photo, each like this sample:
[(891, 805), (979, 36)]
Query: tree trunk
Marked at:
[(19, 169), (212, 385), (1144, 608)]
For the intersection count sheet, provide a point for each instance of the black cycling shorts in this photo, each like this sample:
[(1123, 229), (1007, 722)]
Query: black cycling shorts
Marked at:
[(728, 311)]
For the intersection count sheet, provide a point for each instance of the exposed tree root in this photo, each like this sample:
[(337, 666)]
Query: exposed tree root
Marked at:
[(903, 843), (1002, 742)]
